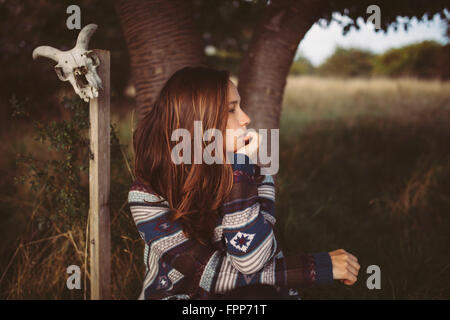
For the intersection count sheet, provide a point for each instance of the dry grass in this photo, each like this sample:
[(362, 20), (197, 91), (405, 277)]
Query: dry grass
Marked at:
[(329, 98), (365, 166)]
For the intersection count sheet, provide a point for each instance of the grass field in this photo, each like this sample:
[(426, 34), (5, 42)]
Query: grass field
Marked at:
[(364, 166)]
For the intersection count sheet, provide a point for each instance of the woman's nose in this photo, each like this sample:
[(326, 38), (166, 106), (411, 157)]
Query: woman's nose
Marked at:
[(245, 120)]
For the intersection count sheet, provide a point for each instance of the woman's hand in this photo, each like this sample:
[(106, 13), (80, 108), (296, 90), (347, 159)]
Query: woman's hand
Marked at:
[(251, 149), (345, 266)]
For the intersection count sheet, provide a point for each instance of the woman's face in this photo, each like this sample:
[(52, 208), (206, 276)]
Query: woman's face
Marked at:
[(237, 121)]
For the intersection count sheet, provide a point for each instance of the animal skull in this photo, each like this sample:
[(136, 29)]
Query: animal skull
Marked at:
[(78, 65)]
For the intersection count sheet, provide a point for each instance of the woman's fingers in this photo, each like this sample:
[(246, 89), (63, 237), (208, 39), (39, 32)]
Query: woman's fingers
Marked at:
[(345, 266), (352, 270), (251, 148), (352, 257), (352, 279), (348, 282), (349, 276), (355, 265)]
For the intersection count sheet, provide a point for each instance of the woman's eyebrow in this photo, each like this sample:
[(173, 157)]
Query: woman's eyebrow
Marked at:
[(234, 101)]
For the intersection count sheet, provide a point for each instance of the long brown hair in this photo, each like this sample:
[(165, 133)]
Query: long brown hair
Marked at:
[(194, 192)]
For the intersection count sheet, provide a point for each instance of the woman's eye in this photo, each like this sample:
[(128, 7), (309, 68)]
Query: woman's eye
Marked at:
[(232, 110)]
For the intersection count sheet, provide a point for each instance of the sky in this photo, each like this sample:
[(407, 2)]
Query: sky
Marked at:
[(319, 42)]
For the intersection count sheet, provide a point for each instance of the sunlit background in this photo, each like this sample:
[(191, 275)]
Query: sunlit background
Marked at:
[(320, 41)]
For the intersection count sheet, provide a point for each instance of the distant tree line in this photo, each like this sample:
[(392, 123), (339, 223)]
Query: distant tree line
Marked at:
[(427, 59)]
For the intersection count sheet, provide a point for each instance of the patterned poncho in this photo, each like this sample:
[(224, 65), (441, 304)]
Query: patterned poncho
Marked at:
[(244, 251)]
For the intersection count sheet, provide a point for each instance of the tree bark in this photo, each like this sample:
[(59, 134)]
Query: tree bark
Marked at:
[(266, 64), (161, 37)]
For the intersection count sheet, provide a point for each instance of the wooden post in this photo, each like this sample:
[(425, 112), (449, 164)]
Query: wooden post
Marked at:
[(99, 185)]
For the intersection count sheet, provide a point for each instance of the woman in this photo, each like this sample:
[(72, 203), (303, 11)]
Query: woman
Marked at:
[(209, 228)]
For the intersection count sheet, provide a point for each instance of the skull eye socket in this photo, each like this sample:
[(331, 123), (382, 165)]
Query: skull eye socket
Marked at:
[(94, 58), (60, 73)]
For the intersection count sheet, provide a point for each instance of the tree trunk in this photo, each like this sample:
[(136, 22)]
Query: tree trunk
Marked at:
[(266, 64), (161, 38)]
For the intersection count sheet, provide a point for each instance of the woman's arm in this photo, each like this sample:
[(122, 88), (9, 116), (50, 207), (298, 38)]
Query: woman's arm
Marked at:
[(266, 195), (295, 271), (345, 266), (249, 238)]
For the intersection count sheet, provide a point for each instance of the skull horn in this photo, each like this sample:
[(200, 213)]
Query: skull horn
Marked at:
[(46, 51), (85, 35)]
